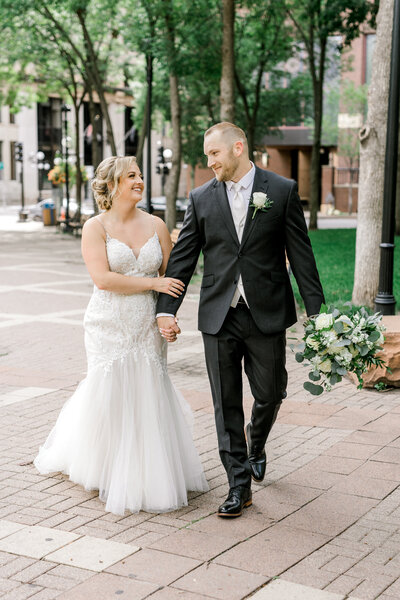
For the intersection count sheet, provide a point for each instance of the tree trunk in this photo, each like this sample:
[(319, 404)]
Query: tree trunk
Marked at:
[(227, 83), (94, 121), (192, 177), (315, 168), (142, 135), (398, 192), (96, 79), (250, 138), (78, 177), (174, 175), (372, 163)]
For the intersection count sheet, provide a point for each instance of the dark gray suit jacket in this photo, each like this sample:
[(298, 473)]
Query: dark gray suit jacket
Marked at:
[(260, 257)]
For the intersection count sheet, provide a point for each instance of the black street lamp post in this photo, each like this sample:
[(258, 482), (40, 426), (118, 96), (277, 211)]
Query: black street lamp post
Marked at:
[(40, 156), (64, 111), (163, 167), (385, 301), (19, 157)]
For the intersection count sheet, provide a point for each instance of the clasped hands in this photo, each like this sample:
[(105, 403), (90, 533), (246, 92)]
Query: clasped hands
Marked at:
[(168, 327)]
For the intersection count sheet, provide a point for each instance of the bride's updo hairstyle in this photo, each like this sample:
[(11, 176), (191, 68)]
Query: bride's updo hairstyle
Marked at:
[(107, 177)]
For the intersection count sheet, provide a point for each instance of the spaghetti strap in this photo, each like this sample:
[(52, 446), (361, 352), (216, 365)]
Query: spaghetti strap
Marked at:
[(154, 224), (102, 224)]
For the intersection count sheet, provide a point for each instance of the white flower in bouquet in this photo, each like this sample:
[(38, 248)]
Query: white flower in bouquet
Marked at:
[(323, 321), (358, 337), (335, 343), (329, 337), (312, 343), (347, 324), (325, 366), (335, 347), (353, 350), (345, 356)]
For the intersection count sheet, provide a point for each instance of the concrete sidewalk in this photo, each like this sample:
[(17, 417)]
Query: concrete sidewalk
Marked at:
[(323, 526)]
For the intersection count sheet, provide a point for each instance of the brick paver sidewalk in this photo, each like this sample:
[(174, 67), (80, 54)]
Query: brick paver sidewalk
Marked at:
[(324, 524)]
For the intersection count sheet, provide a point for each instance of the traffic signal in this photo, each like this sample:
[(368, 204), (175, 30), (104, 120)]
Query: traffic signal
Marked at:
[(160, 151), (18, 152)]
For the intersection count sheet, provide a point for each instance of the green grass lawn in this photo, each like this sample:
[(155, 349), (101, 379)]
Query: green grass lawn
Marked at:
[(334, 251)]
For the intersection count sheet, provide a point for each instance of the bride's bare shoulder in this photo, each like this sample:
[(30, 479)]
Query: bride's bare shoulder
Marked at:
[(94, 227)]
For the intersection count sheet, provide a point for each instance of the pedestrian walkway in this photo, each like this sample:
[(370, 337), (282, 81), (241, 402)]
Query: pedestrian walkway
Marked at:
[(324, 525)]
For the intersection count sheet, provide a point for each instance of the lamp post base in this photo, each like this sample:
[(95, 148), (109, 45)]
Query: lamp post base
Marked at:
[(385, 304)]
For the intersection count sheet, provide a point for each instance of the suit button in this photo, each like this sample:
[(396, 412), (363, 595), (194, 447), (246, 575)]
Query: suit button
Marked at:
[(235, 282), (240, 255)]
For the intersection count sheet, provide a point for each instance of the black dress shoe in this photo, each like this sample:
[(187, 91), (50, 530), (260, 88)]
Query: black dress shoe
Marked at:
[(239, 497), (257, 458)]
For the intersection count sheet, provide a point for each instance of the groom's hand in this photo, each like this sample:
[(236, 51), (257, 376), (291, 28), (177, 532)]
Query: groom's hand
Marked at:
[(168, 328)]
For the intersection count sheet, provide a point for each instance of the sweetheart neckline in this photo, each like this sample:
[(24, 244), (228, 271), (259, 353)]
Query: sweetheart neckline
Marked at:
[(131, 249)]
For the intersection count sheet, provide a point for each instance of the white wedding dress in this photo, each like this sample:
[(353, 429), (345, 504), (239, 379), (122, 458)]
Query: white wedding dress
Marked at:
[(126, 430)]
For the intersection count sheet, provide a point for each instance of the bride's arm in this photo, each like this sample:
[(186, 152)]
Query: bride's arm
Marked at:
[(165, 243), (95, 257)]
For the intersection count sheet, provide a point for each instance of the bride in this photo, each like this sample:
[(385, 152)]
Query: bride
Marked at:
[(125, 431)]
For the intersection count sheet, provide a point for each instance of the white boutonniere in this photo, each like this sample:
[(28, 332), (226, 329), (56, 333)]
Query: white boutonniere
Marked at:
[(260, 201)]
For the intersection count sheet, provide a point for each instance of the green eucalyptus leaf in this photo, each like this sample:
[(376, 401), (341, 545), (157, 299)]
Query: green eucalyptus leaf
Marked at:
[(374, 336), (338, 327), (341, 371), (315, 390), (314, 375)]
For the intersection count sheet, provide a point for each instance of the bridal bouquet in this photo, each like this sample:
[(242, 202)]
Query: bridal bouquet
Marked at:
[(336, 342)]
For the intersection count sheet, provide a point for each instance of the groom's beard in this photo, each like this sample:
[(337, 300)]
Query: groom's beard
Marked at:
[(228, 170)]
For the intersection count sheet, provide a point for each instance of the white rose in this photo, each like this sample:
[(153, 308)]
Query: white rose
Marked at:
[(314, 344), (325, 366), (334, 348), (346, 322), (323, 321), (259, 199)]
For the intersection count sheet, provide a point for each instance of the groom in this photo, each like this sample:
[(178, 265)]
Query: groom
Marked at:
[(246, 300)]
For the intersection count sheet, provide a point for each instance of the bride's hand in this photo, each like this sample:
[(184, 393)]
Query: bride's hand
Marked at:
[(168, 285)]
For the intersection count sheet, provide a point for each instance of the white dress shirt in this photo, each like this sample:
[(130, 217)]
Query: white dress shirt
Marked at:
[(246, 185)]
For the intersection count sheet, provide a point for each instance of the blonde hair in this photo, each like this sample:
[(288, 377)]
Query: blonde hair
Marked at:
[(107, 177), (229, 132)]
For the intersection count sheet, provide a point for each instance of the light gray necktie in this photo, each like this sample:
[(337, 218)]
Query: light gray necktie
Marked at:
[(239, 210)]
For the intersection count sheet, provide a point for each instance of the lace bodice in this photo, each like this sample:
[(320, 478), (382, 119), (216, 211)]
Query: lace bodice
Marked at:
[(116, 324), (122, 259)]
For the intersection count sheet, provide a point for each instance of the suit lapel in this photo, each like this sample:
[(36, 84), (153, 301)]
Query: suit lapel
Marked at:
[(223, 205), (260, 184)]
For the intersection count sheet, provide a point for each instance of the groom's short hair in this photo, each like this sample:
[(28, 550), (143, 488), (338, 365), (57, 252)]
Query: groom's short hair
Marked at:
[(229, 132)]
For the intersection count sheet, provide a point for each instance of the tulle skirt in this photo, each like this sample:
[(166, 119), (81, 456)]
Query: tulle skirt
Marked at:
[(126, 432)]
